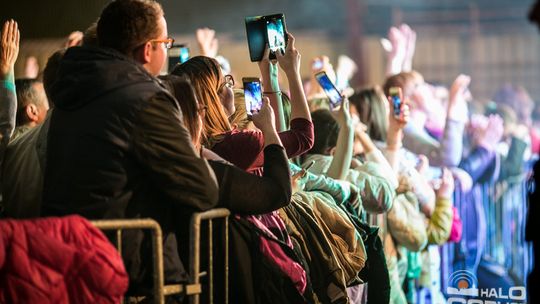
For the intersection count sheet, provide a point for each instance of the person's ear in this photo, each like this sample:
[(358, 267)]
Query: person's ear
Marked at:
[(32, 112), (144, 54)]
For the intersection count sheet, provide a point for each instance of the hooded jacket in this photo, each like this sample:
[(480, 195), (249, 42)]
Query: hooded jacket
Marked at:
[(117, 148)]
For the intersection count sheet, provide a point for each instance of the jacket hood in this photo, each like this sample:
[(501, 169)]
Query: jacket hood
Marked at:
[(87, 72)]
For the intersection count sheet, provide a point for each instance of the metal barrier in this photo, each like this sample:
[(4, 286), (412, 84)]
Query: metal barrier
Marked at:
[(193, 287), (505, 212)]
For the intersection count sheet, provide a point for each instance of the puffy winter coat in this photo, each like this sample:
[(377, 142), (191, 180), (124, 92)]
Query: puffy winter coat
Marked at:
[(58, 260)]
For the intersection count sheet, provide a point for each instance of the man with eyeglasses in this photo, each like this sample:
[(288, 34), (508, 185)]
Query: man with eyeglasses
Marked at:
[(117, 147)]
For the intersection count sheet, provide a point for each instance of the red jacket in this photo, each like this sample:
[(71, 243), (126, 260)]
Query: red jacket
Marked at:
[(58, 260)]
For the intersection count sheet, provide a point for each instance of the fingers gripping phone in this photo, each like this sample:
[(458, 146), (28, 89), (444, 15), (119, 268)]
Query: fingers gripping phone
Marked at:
[(329, 89), (252, 95), (178, 53), (396, 100)]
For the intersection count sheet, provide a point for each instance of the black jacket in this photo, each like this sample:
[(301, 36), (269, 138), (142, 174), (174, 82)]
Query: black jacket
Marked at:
[(117, 148)]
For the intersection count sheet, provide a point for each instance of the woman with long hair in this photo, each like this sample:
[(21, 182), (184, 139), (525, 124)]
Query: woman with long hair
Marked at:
[(239, 191), (244, 148)]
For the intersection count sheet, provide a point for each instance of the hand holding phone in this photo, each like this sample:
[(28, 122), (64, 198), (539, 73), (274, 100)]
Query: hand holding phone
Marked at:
[(252, 95), (265, 121), (266, 30), (306, 168), (396, 101), (329, 88)]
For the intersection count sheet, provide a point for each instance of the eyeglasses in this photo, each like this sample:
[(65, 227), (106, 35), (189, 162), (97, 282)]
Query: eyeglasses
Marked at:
[(168, 42)]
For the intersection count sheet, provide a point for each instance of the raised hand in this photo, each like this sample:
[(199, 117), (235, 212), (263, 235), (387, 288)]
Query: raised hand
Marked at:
[(410, 46), (396, 123), (208, 43), (343, 115), (346, 68), (490, 135), (74, 39), (457, 105), (267, 67), (9, 48), (290, 60), (264, 119), (446, 188), (395, 46), (400, 121)]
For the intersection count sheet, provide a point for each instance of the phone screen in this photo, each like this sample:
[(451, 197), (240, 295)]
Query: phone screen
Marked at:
[(396, 101), (177, 54), (253, 96), (329, 88), (276, 34), (184, 54)]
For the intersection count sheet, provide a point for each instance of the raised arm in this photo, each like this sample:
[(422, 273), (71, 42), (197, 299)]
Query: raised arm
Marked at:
[(440, 224), (448, 151), (9, 50), (270, 82), (290, 63), (341, 162), (395, 131), (207, 41)]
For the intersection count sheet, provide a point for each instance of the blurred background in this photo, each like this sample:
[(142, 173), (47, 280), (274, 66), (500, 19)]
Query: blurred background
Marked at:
[(491, 40)]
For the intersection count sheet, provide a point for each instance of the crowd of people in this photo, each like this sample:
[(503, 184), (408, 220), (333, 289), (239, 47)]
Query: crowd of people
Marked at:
[(330, 204)]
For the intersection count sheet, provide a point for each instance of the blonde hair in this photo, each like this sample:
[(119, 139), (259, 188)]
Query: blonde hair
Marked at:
[(239, 119), (206, 77), (369, 104)]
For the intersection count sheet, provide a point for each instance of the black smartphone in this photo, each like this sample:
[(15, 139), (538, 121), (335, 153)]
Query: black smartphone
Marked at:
[(329, 88), (262, 30), (178, 53), (252, 95), (396, 100)]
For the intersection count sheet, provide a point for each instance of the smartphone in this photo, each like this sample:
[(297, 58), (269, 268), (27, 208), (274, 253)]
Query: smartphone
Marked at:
[(252, 95), (262, 30), (309, 165), (178, 53), (396, 100), (275, 34), (329, 88), (304, 171)]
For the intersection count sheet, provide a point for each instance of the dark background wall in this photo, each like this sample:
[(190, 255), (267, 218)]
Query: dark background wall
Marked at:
[(47, 19)]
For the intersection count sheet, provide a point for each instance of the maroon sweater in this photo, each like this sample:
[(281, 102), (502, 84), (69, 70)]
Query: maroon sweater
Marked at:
[(245, 148)]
